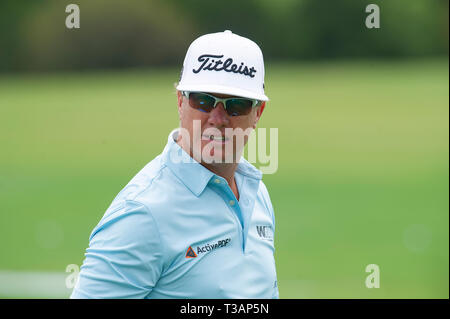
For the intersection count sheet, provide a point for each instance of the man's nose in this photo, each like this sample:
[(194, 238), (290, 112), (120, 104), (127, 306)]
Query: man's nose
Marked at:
[(218, 117)]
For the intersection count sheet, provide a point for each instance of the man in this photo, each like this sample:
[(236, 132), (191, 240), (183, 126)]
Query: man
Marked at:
[(197, 221)]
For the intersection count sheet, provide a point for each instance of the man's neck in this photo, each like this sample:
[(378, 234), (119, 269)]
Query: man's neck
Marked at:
[(225, 170)]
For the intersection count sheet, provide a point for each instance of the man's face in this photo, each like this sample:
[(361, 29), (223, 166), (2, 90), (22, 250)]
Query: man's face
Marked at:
[(216, 129)]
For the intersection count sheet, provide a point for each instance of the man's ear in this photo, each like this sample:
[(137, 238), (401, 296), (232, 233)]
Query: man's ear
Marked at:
[(261, 108), (179, 98), (259, 111), (179, 103)]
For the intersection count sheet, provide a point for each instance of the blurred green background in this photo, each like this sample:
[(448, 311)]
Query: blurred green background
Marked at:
[(362, 118)]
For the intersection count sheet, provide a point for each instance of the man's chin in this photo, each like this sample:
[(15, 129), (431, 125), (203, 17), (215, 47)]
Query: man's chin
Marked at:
[(216, 152), (219, 156)]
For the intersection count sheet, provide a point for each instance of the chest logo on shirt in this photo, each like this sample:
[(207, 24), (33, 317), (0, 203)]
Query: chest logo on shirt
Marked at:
[(190, 253), (265, 232)]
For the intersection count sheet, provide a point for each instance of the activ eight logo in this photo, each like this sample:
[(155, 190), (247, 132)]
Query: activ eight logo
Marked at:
[(191, 253)]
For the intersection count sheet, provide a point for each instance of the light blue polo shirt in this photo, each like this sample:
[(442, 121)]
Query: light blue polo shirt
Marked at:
[(177, 231)]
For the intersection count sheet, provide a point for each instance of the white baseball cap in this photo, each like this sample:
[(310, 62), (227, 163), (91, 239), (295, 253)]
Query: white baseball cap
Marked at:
[(225, 63)]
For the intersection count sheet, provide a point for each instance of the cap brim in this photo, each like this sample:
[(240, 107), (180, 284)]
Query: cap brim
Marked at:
[(222, 90)]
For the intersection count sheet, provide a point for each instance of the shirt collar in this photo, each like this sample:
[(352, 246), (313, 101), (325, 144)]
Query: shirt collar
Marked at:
[(191, 173)]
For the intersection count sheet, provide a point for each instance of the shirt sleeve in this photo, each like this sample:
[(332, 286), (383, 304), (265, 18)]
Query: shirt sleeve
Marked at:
[(124, 257)]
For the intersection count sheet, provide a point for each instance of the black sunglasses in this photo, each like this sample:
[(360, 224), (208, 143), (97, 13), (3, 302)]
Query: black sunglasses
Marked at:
[(235, 106)]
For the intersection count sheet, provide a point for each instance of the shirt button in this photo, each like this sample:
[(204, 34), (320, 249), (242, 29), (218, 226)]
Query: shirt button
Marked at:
[(231, 202), (217, 181)]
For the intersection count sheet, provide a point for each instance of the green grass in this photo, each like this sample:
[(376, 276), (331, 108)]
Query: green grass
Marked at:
[(363, 157)]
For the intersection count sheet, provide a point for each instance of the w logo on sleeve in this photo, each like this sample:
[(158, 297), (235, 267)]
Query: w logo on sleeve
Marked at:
[(265, 232)]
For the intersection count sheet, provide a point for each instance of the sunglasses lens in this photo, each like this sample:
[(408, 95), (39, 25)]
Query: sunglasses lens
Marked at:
[(236, 107), (201, 102)]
